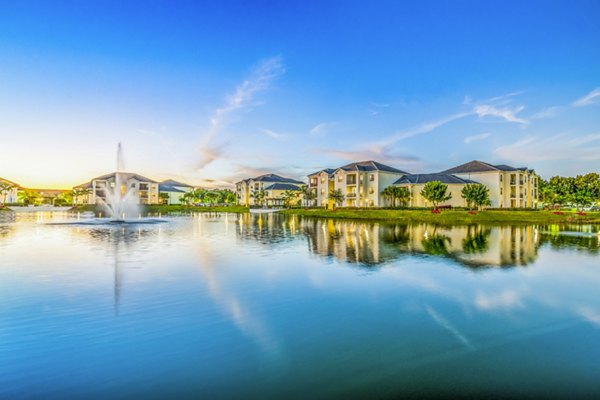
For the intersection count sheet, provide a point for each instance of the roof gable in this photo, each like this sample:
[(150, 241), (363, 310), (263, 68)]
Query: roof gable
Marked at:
[(425, 178), (369, 165)]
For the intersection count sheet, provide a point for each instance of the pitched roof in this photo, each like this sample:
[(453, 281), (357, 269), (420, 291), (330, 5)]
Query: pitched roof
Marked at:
[(282, 186), (127, 175), (370, 165), (424, 178), (171, 182), (169, 188), (480, 166), (10, 182), (328, 171), (276, 178)]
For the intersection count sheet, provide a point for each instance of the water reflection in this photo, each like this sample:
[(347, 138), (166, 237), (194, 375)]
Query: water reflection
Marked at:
[(370, 243)]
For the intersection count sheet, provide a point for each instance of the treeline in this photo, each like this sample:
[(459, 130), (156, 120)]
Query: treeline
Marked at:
[(580, 191), (205, 196)]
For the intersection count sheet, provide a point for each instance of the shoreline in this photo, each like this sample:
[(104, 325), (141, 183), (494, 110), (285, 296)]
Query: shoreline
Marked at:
[(446, 217)]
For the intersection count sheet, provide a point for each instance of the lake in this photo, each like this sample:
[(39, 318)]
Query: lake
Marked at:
[(269, 306)]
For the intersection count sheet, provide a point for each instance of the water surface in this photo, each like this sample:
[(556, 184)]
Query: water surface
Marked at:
[(230, 306)]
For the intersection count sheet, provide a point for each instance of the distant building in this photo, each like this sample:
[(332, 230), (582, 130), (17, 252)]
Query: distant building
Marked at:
[(509, 187), (416, 182), (360, 182), (9, 196), (273, 185), (144, 189), (171, 192)]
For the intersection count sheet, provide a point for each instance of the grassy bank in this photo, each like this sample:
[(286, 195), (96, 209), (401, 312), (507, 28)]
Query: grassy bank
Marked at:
[(451, 217), (165, 209)]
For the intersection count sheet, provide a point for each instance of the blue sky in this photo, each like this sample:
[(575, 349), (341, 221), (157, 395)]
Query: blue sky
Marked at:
[(211, 93)]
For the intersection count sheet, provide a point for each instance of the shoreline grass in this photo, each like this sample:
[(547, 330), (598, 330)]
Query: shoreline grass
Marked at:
[(450, 217), (165, 209)]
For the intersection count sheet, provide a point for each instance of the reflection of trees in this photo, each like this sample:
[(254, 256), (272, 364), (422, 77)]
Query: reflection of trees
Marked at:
[(582, 242), (435, 245), (476, 240)]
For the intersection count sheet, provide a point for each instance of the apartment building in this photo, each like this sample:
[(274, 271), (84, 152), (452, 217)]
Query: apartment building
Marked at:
[(144, 189), (272, 184), (8, 193), (361, 183), (509, 187), (416, 182)]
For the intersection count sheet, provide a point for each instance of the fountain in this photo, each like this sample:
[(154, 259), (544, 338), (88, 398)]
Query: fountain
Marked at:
[(120, 203)]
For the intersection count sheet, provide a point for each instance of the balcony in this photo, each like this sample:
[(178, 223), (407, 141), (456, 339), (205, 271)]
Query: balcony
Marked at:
[(351, 180), (351, 195)]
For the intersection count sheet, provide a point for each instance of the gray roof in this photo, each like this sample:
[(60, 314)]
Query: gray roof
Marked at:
[(282, 186), (480, 166), (328, 171), (424, 178), (127, 175), (276, 178), (171, 182), (370, 165), (10, 182), (169, 188)]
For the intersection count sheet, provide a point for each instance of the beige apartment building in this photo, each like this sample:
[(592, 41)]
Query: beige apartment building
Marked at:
[(509, 187), (144, 189), (360, 182), (273, 185)]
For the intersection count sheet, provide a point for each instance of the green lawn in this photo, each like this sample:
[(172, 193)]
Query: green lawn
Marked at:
[(451, 217), (165, 209)]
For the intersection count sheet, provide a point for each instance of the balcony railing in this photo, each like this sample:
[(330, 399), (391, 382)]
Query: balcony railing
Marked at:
[(351, 195)]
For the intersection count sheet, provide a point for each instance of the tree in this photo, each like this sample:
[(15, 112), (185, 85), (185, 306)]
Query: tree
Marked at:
[(5, 189), (436, 193), (288, 196), (28, 197), (164, 197), (337, 196), (546, 192), (586, 189), (258, 196), (395, 194), (77, 193), (476, 195), (308, 194)]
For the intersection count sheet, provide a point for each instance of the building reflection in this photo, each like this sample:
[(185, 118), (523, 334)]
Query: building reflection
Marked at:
[(372, 243)]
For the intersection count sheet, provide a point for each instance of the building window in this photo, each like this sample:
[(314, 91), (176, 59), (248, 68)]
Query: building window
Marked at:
[(322, 179), (501, 191), (361, 179), (372, 177), (339, 178), (500, 177), (371, 190), (322, 192)]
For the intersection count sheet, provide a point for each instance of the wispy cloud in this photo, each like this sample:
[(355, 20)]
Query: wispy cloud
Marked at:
[(547, 112), (552, 148), (426, 127), (323, 128), (588, 99), (274, 135), (474, 138), (259, 80), (506, 113), (376, 108), (378, 153)]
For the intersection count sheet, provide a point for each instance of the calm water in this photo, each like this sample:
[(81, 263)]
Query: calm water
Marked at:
[(228, 306)]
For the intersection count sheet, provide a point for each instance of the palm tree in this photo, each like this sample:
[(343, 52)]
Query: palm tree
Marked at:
[(288, 196), (27, 197), (337, 196), (308, 194), (5, 189), (396, 193), (258, 196)]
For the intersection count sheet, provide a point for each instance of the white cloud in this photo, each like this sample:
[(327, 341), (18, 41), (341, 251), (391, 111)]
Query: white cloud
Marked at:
[(547, 112), (508, 299), (506, 113), (588, 99), (274, 135), (322, 128), (259, 80), (556, 147), (475, 138), (376, 153)]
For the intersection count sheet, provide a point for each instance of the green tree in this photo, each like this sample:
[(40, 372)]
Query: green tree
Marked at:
[(77, 194), (258, 196), (289, 196), (5, 189), (546, 192), (435, 192), (397, 194), (163, 197), (476, 195), (309, 195), (337, 196), (28, 197), (585, 189)]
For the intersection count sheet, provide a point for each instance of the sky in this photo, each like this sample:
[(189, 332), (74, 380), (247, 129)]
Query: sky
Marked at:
[(213, 92)]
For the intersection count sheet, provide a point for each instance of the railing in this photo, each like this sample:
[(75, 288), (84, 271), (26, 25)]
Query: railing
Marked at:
[(351, 195)]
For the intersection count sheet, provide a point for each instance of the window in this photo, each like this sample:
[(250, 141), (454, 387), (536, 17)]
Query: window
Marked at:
[(322, 192), (372, 177), (322, 179), (500, 177), (340, 178), (501, 191), (361, 179), (371, 191)]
